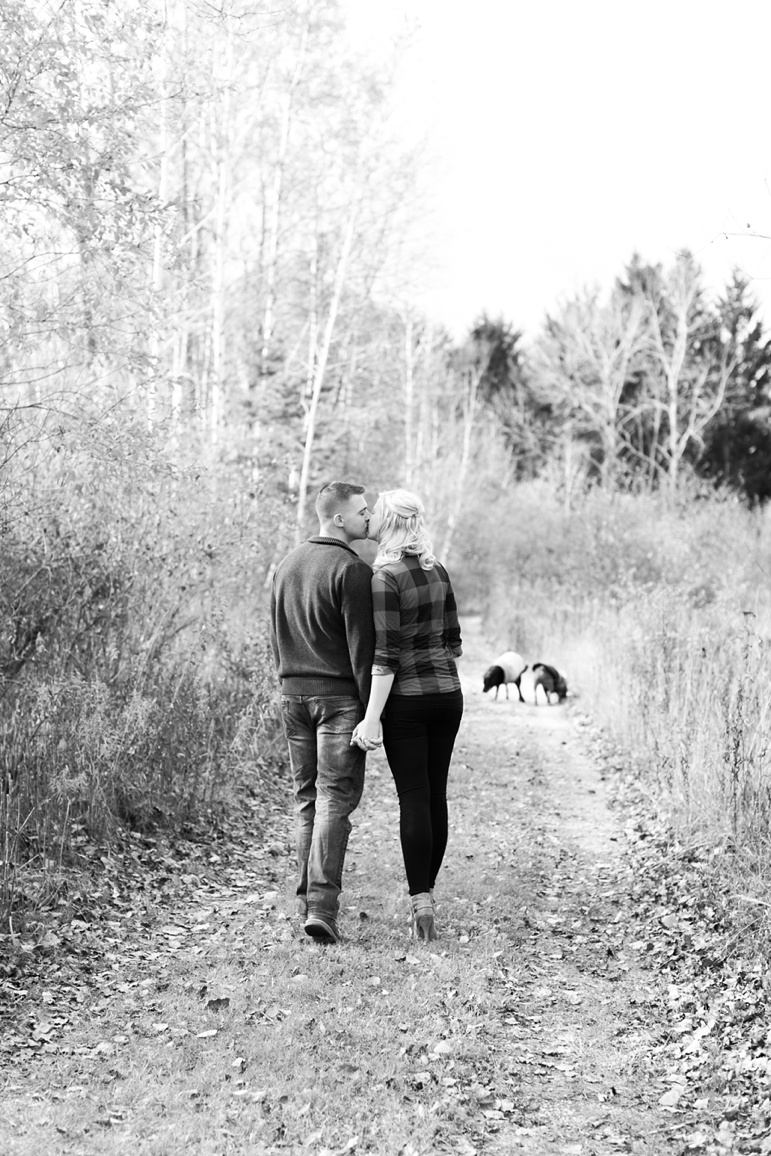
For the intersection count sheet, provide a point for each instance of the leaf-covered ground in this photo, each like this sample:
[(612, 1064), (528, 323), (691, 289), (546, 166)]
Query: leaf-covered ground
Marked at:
[(593, 990)]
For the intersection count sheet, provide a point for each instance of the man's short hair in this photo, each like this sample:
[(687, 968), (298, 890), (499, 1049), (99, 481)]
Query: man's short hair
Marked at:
[(333, 496)]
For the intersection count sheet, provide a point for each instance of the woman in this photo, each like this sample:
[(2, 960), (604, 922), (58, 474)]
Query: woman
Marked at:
[(415, 688)]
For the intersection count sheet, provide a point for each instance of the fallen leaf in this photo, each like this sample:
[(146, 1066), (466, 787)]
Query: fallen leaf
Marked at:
[(670, 1098), (218, 1003)]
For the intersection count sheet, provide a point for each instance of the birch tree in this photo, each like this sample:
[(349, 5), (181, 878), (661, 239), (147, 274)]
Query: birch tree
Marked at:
[(469, 378), (585, 358), (68, 128), (694, 367), (321, 366)]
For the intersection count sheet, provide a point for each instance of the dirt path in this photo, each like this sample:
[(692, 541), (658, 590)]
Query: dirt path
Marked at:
[(528, 1027), (582, 1017), (574, 1021)]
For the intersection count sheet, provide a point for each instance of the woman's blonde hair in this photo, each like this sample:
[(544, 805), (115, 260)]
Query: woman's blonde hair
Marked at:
[(402, 530)]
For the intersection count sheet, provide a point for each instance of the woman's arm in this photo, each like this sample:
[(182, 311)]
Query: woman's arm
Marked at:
[(369, 732), (452, 636), (387, 617)]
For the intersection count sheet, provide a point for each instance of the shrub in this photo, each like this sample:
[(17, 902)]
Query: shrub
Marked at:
[(136, 684)]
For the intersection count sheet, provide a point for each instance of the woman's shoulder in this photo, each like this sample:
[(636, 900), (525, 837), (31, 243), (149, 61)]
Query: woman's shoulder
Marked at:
[(395, 573), (386, 572)]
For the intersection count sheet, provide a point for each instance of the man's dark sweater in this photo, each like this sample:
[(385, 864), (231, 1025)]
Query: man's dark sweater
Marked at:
[(322, 628)]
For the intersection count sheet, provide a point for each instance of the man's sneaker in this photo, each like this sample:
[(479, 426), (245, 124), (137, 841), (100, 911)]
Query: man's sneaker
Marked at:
[(322, 928)]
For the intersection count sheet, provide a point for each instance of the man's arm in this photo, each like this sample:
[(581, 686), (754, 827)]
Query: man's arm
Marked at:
[(273, 612), (356, 606)]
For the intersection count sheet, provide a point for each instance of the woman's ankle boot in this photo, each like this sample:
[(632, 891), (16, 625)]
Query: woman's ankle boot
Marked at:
[(423, 917)]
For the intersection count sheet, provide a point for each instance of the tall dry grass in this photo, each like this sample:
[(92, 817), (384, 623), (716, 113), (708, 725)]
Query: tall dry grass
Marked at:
[(661, 620)]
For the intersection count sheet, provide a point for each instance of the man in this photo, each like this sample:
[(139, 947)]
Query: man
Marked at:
[(323, 641)]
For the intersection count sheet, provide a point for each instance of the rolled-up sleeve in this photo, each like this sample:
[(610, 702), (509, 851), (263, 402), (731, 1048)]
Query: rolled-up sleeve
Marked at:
[(451, 623), (386, 610)]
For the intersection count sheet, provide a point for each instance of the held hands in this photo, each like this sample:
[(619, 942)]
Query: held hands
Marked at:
[(367, 735)]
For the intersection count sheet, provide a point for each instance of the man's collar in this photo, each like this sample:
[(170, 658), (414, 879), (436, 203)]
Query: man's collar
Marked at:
[(321, 540)]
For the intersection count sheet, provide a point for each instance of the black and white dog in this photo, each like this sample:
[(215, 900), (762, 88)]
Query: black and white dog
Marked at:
[(551, 680), (508, 667)]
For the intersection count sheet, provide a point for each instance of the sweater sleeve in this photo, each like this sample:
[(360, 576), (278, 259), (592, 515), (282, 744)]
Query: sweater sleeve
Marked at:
[(356, 607), (273, 637)]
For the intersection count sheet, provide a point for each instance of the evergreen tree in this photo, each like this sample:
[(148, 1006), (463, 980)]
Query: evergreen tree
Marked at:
[(509, 392), (737, 449)]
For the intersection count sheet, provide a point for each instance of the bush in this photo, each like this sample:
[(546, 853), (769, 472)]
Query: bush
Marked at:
[(136, 685)]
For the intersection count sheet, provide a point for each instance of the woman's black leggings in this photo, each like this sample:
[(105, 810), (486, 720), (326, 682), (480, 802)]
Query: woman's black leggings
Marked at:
[(418, 735)]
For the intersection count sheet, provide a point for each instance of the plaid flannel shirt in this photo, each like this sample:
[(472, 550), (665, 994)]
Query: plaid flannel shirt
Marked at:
[(417, 633)]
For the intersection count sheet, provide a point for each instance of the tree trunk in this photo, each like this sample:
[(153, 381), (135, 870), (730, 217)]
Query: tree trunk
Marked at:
[(470, 406), (409, 402), (222, 169), (320, 370), (163, 196), (274, 221)]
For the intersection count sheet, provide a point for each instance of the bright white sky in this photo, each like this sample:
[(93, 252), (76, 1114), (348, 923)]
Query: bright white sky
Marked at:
[(563, 135)]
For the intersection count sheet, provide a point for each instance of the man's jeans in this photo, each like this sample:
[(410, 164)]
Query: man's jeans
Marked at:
[(328, 783)]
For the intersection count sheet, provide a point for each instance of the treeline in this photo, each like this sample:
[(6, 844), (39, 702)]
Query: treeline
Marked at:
[(210, 232), (642, 387)]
